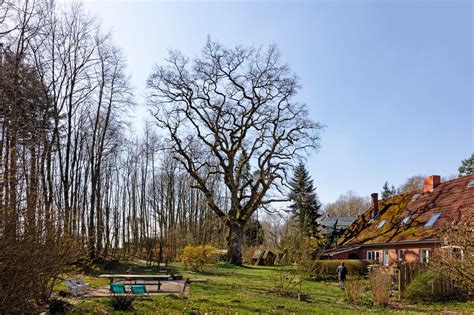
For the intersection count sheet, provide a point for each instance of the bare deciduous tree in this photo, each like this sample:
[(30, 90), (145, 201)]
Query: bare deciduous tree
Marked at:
[(412, 183), (226, 110), (348, 204)]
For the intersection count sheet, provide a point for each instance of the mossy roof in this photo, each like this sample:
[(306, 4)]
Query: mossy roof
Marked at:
[(453, 199)]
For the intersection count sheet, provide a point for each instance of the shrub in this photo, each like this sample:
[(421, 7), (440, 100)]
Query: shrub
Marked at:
[(358, 292), (420, 288), (112, 264), (381, 284), (196, 256), (57, 306), (63, 293), (298, 248), (367, 300), (286, 282), (423, 288), (327, 269), (309, 249), (122, 303), (28, 275), (354, 291), (456, 260)]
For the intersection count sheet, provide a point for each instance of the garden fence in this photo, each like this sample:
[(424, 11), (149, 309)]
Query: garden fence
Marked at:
[(405, 273)]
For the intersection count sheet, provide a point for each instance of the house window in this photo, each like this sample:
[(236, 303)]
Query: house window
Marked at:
[(425, 255), (373, 255), (433, 219), (406, 219), (385, 258), (401, 255), (453, 251), (381, 224)]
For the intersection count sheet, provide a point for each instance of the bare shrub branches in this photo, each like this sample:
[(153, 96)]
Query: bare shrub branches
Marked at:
[(456, 258)]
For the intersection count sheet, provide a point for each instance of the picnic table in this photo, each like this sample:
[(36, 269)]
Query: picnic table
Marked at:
[(134, 278)]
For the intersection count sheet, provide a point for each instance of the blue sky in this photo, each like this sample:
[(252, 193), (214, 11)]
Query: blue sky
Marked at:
[(391, 80)]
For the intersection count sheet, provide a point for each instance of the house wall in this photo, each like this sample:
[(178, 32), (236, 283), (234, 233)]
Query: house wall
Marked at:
[(411, 253), (340, 256)]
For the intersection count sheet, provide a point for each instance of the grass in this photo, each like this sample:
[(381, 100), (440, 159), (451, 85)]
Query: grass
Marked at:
[(246, 290)]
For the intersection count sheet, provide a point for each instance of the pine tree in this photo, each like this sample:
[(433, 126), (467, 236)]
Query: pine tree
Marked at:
[(304, 205), (388, 190), (467, 166)]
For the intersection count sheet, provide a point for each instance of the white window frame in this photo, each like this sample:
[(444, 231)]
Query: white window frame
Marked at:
[(428, 254), (373, 255), (451, 250), (401, 255), (386, 257)]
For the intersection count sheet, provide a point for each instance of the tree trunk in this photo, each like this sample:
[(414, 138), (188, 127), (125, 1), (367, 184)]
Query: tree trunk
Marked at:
[(234, 242)]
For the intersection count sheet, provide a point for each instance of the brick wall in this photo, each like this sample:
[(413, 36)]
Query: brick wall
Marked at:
[(411, 253)]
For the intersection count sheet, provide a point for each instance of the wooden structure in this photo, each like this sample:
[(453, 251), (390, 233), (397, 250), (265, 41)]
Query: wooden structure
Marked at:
[(138, 279), (263, 258), (167, 287)]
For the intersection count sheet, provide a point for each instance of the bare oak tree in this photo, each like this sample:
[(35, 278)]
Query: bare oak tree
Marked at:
[(225, 112)]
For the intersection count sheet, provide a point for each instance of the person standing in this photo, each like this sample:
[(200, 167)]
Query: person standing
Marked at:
[(342, 271)]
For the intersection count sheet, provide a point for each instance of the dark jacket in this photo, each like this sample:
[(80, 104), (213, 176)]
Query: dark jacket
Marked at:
[(342, 271)]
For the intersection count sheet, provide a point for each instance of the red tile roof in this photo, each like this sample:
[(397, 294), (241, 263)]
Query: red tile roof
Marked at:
[(453, 199)]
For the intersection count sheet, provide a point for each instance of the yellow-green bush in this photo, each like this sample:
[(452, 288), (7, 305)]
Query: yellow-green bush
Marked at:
[(196, 256), (327, 269)]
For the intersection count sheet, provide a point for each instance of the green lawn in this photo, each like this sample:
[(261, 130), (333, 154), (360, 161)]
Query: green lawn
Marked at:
[(247, 289)]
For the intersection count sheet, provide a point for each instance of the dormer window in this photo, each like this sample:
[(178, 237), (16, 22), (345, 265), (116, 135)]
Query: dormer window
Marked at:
[(381, 224), (433, 219), (470, 184), (415, 197), (406, 219)]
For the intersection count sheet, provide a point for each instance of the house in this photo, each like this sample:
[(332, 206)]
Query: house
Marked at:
[(328, 224), (406, 227)]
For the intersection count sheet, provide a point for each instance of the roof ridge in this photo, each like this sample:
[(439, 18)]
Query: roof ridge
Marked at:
[(421, 190), (458, 178), (404, 193)]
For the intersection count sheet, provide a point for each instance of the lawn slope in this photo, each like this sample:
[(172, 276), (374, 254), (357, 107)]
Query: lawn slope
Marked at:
[(247, 290)]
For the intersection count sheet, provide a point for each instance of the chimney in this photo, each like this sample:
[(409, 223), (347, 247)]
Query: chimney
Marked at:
[(431, 182), (375, 205)]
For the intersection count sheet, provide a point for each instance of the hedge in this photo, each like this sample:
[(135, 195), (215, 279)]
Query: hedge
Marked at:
[(327, 269)]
